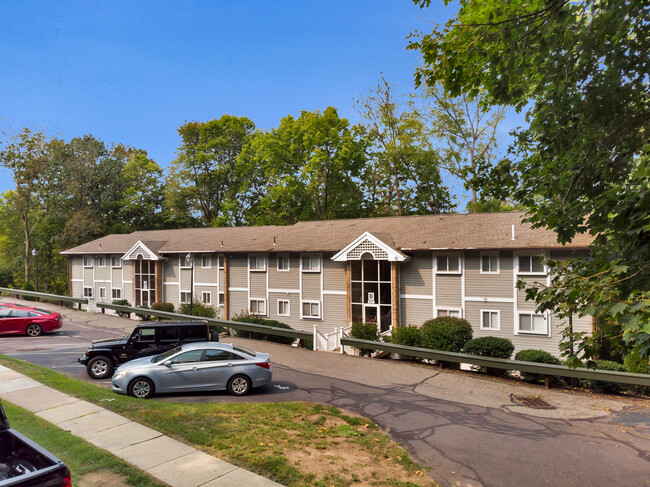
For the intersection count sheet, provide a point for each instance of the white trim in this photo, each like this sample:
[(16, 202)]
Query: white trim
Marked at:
[(127, 282), (209, 266), (462, 284), (321, 308), (310, 301), (393, 255), (241, 289), (100, 259), (450, 254), (76, 280), (171, 283), (263, 300), (286, 291), (532, 313), (488, 300), (146, 249), (288, 301), (334, 293), (498, 312), (208, 284), (209, 293), (318, 258), (414, 296), (257, 256), (180, 296), (89, 296), (277, 262), (119, 259), (490, 254), (102, 280), (83, 262), (448, 310)]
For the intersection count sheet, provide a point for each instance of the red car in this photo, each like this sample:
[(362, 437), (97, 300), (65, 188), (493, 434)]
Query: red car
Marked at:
[(28, 321)]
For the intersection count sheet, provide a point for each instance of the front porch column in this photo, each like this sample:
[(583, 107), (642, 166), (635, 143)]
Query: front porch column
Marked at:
[(159, 281), (394, 292)]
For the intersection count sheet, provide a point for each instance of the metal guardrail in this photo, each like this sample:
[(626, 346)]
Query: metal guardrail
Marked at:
[(237, 325), (500, 363), (53, 297)]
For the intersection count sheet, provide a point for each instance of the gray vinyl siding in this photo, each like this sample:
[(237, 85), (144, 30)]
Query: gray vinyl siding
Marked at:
[(334, 313), (311, 290), (208, 275), (488, 285), (170, 269), (415, 311), (103, 273), (293, 319), (284, 279), (116, 277), (334, 276), (127, 292), (258, 284), (171, 294), (198, 294), (185, 279), (88, 277), (416, 275), (522, 303), (77, 289), (449, 290), (221, 281), (76, 264), (506, 312), (238, 269), (238, 302)]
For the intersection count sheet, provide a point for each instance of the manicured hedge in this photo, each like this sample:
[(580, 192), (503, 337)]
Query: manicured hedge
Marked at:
[(198, 309), (446, 333), (539, 356), (168, 307), (490, 347), (410, 336), (263, 336)]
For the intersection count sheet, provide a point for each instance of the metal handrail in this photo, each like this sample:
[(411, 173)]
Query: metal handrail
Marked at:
[(34, 294), (500, 363)]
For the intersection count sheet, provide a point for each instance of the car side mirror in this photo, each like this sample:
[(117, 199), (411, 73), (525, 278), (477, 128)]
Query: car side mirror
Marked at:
[(167, 363), (135, 338)]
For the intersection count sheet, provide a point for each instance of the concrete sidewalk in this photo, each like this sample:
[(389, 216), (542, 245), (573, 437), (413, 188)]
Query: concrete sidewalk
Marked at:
[(166, 459)]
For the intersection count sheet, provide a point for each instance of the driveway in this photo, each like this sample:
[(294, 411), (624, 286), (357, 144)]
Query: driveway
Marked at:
[(467, 428)]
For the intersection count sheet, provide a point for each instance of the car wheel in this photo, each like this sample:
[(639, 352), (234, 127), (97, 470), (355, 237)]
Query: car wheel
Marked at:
[(33, 330), (239, 385), (142, 388), (100, 367)]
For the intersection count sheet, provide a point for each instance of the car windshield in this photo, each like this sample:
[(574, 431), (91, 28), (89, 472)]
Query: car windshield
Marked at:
[(244, 350), (164, 356)]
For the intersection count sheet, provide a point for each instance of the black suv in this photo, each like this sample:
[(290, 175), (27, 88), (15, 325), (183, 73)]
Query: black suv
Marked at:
[(150, 338)]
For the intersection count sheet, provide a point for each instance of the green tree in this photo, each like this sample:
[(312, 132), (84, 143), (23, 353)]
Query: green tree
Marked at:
[(580, 70), (403, 174)]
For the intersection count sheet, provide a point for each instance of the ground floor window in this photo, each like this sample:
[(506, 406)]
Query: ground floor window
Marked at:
[(222, 298), (206, 297), (311, 309), (88, 292), (186, 296), (448, 312), (533, 323), (283, 307), (102, 293), (490, 319), (257, 307), (116, 293)]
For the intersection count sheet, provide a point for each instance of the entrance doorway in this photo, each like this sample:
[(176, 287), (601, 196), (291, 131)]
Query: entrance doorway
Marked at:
[(145, 282), (370, 286)]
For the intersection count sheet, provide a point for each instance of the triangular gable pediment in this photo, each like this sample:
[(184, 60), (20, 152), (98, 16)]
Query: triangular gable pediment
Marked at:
[(140, 250), (369, 244)]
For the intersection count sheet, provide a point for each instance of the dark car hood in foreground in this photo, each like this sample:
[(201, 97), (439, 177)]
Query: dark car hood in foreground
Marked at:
[(109, 342), (4, 422)]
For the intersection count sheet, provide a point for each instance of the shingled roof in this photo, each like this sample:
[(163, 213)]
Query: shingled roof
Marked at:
[(406, 233)]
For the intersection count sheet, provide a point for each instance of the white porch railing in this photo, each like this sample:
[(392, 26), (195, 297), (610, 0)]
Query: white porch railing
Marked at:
[(331, 341)]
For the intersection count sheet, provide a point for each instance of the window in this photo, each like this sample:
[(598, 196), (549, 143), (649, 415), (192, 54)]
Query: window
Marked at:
[(170, 334), (186, 296), (195, 333), (257, 263), (531, 264), (206, 261), (88, 292), (188, 357), (283, 262), (449, 264), (489, 263), (311, 263), (145, 335), (206, 297), (116, 293), (222, 298), (217, 356), (257, 307), (283, 307), (311, 309), (448, 312), (116, 262), (533, 323), (101, 261), (5, 312), (88, 261), (220, 261), (102, 293), (490, 319)]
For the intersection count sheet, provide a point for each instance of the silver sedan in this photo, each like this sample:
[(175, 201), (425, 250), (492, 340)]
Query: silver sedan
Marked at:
[(199, 366)]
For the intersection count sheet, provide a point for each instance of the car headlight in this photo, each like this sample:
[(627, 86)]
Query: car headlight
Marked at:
[(120, 373)]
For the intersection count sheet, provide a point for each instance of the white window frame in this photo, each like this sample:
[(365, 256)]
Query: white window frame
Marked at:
[(184, 264), (448, 256), (257, 261), (102, 290), (491, 328), (119, 290), (188, 296), (491, 271), (257, 300), (448, 310), (101, 261), (220, 261), (209, 257), (519, 331), (88, 294), (118, 260), (219, 294), (531, 272), (209, 295), (311, 258), (87, 261), (288, 313), (313, 317), (277, 267)]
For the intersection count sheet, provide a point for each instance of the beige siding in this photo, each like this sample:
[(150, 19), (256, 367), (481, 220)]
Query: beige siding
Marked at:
[(238, 268), (88, 277), (521, 294), (416, 275), (335, 313), (208, 275), (293, 320), (473, 315), (171, 269), (127, 267), (171, 294), (76, 263), (334, 274), (415, 311), (283, 279), (488, 285), (258, 284), (448, 290), (185, 279), (77, 290), (116, 275), (238, 302), (127, 293), (311, 286)]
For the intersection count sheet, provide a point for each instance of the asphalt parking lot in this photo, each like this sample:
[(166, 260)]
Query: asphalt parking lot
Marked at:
[(467, 429)]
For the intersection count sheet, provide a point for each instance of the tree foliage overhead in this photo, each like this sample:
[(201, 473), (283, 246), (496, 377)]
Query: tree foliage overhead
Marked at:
[(580, 70)]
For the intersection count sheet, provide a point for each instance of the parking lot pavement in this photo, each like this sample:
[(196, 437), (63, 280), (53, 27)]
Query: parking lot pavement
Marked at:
[(177, 464)]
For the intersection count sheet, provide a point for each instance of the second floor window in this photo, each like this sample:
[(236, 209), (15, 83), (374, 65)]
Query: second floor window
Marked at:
[(257, 263), (448, 264)]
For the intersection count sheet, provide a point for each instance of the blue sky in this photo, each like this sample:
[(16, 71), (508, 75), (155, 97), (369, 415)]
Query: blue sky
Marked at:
[(133, 72)]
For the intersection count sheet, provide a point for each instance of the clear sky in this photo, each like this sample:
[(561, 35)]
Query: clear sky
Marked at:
[(133, 72)]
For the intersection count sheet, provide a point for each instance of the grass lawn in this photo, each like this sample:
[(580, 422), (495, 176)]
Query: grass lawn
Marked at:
[(81, 457), (295, 444)]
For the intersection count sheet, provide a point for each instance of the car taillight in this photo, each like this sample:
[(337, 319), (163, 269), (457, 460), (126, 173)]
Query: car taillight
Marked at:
[(67, 481), (264, 365)]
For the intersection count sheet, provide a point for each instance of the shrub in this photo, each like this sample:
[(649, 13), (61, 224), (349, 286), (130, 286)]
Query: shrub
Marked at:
[(637, 364), (409, 336), (490, 347), (143, 316), (365, 331), (28, 287), (602, 386), (168, 307), (246, 318), (539, 356), (122, 302), (446, 333), (198, 309)]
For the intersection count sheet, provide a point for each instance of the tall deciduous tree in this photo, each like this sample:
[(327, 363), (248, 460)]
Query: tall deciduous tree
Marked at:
[(581, 71), (403, 176)]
